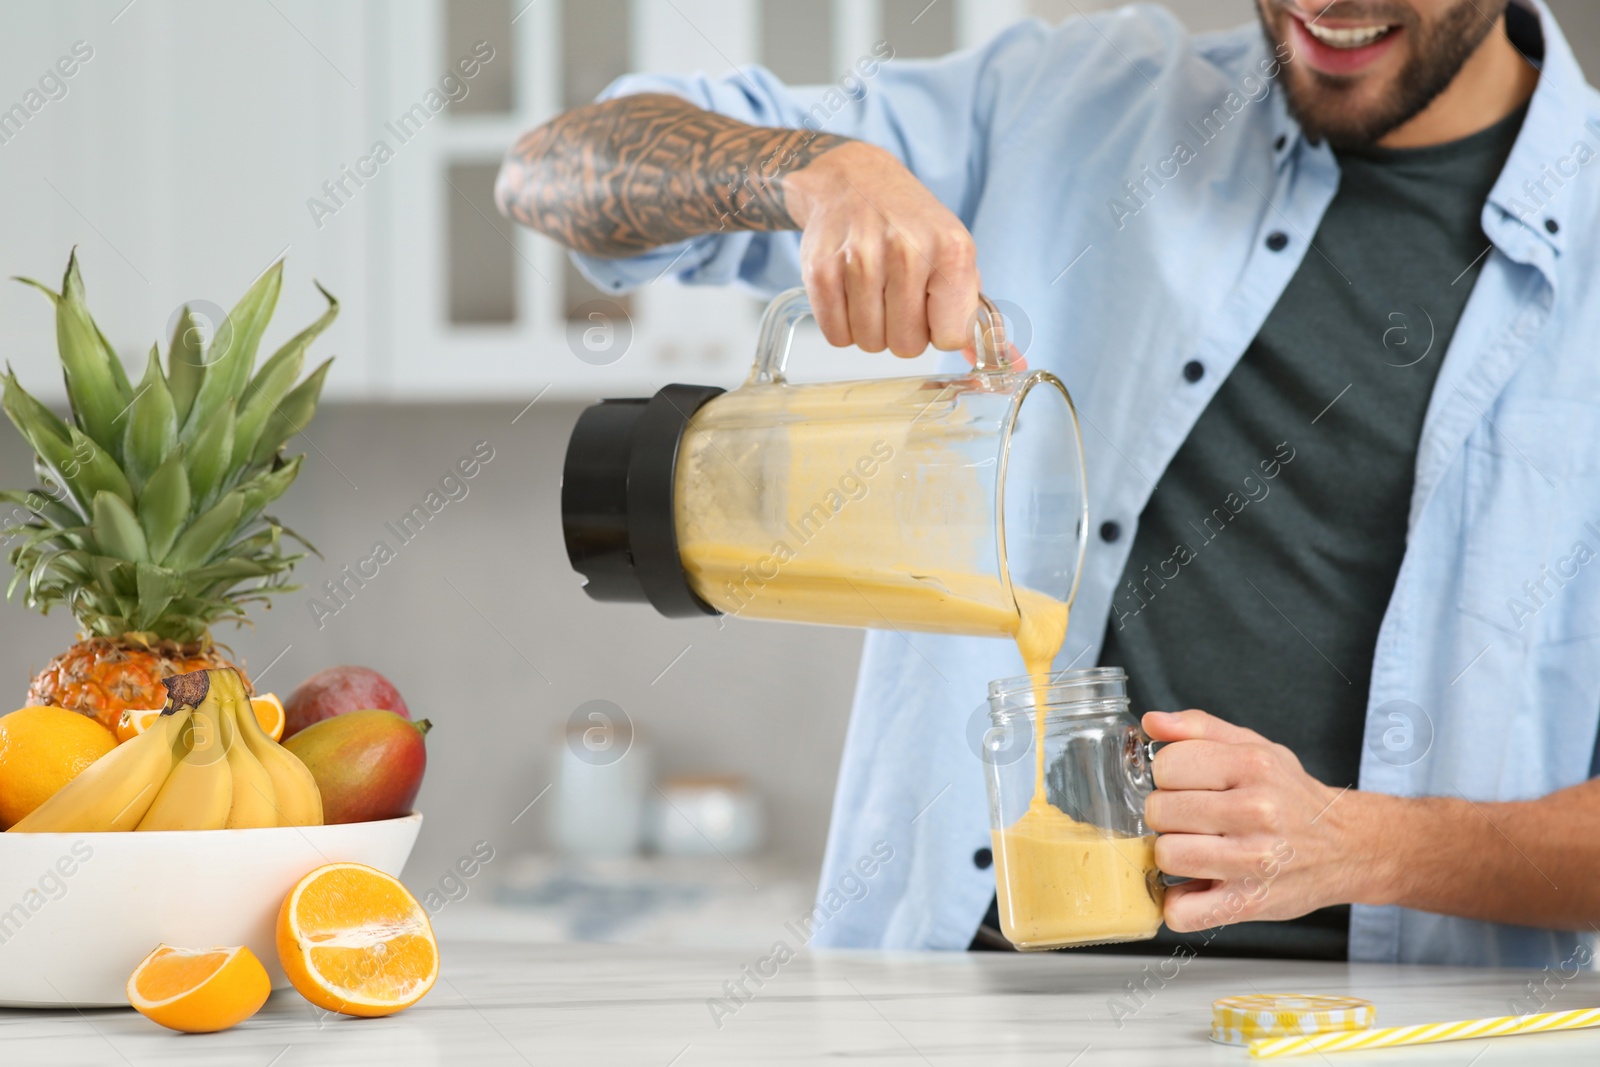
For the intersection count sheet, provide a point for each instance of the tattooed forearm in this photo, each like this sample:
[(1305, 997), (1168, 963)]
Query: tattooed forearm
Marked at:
[(638, 172)]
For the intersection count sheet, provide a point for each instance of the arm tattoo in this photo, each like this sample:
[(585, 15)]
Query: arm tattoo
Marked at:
[(634, 173)]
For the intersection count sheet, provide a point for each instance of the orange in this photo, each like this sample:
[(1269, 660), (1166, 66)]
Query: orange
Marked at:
[(354, 940), (41, 750), (269, 713), (135, 721), (199, 991), (268, 709)]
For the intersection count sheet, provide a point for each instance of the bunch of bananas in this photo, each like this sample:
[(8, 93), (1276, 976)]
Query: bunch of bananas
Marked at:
[(204, 764)]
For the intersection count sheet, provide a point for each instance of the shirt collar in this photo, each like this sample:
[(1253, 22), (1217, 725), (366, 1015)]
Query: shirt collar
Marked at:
[(1531, 191)]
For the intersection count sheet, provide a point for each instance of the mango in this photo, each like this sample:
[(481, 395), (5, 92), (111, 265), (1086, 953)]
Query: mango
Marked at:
[(368, 763)]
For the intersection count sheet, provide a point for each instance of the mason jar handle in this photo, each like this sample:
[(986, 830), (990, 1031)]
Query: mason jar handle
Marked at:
[(1138, 765), (1143, 753), (791, 306)]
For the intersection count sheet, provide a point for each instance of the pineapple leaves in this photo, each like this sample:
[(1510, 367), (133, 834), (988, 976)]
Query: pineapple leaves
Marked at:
[(72, 289), (233, 350), (272, 382), (157, 587), (84, 468), (268, 486), (116, 528), (113, 578), (149, 510), (164, 504), (152, 425), (231, 571), (55, 459), (291, 416), (206, 534), (96, 391), (31, 418), (209, 455), (45, 509), (185, 363), (71, 537), (68, 567), (119, 373)]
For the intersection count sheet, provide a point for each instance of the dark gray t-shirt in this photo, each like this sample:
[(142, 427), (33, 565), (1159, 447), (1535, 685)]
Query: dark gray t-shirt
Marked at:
[(1265, 559), (1266, 556)]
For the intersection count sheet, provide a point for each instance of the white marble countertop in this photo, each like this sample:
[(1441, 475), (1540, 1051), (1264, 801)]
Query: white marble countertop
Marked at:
[(596, 1005)]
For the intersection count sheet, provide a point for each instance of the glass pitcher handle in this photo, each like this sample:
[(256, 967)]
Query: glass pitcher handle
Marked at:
[(791, 306)]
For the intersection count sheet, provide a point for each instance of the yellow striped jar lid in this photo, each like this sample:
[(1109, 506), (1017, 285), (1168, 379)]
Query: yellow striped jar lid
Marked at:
[(1240, 1020)]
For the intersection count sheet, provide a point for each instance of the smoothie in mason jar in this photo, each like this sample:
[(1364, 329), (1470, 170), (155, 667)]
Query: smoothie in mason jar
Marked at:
[(1061, 881)]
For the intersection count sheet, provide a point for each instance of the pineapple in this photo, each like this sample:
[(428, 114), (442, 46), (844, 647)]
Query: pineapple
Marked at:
[(148, 523)]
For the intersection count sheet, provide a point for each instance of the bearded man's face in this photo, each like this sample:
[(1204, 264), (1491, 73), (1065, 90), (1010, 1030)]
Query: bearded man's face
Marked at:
[(1358, 69)]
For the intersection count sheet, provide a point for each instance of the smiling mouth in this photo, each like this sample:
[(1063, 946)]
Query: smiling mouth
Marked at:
[(1348, 37)]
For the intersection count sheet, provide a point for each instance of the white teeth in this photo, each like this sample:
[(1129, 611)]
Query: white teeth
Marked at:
[(1346, 38)]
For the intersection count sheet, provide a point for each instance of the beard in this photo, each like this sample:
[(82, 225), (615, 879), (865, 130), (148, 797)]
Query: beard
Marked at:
[(1348, 111)]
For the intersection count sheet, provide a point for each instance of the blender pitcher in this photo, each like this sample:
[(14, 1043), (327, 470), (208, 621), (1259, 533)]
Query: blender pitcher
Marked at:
[(952, 504)]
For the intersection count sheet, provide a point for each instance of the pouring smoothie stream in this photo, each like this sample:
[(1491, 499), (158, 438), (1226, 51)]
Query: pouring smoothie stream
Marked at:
[(923, 503)]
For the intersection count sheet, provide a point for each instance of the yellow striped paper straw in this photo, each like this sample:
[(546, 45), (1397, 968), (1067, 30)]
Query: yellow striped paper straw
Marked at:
[(1426, 1033)]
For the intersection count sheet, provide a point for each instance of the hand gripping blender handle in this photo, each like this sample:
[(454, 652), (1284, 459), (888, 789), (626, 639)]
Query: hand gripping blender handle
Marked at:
[(789, 308)]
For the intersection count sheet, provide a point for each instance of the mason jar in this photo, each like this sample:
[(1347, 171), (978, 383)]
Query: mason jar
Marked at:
[(1068, 769)]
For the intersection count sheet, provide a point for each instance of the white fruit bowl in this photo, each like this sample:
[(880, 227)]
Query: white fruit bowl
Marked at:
[(79, 911)]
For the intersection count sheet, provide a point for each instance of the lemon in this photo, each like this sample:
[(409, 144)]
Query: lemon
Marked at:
[(41, 750)]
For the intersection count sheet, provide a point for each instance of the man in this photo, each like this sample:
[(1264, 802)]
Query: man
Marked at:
[(1324, 298)]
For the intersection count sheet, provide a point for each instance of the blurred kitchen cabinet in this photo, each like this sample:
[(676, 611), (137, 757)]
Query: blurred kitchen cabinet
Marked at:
[(481, 307)]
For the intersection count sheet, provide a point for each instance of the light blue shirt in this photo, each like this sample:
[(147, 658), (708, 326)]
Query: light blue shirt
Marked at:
[(1121, 178)]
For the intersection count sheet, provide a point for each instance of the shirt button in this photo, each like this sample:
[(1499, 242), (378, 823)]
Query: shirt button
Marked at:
[(1110, 531), (983, 859), (1279, 142), (1193, 371), (1552, 225), (1277, 240)]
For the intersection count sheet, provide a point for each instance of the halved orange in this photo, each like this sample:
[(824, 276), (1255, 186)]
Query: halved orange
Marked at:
[(354, 940), (267, 706), (199, 991), (134, 721), (269, 713)]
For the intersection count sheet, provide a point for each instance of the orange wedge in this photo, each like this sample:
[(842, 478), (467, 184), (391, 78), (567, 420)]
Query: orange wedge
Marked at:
[(134, 721), (199, 991), (268, 709), (354, 940), (269, 713)]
